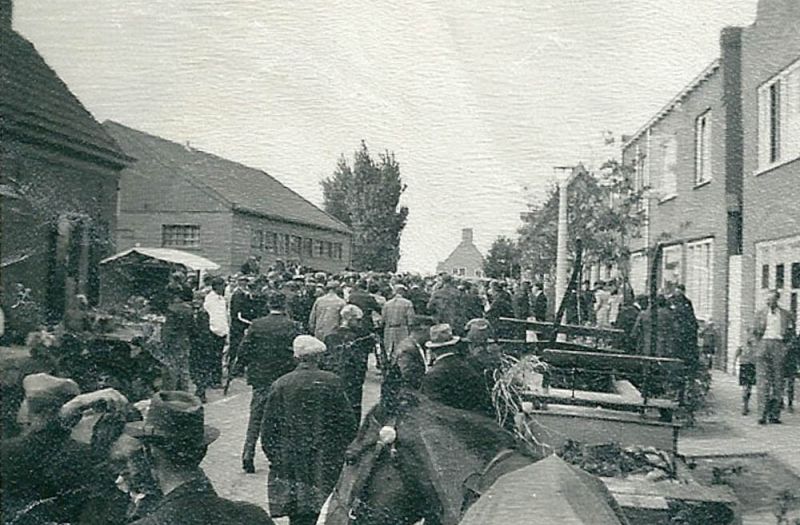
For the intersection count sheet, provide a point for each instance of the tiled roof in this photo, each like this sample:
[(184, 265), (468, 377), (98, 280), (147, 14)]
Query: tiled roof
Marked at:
[(37, 106), (244, 188)]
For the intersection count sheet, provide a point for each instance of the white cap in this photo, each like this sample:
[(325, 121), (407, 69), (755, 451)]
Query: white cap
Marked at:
[(305, 345)]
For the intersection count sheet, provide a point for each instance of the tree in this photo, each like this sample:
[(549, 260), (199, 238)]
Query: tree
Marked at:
[(604, 211), (366, 197), (503, 259)]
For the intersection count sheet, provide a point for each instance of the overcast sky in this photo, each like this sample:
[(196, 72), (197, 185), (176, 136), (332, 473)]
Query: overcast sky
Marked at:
[(479, 99)]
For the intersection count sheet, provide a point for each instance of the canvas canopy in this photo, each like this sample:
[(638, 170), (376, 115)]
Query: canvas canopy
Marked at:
[(548, 491), (190, 261)]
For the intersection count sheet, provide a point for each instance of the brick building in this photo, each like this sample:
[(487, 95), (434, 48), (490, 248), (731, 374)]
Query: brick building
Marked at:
[(771, 124), (686, 155), (58, 184), (175, 196), (465, 261)]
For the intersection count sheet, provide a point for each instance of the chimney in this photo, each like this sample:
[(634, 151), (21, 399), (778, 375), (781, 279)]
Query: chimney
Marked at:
[(466, 235), (6, 13)]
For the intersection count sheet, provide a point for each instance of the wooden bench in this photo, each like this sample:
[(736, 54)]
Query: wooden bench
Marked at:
[(610, 336)]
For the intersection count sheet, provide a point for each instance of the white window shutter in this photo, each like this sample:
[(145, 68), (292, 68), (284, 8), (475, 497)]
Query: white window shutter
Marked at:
[(791, 110)]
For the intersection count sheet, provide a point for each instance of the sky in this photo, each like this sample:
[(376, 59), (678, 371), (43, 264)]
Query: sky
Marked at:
[(478, 99)]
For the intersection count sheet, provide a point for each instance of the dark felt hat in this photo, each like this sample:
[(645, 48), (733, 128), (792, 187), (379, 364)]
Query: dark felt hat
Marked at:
[(174, 416)]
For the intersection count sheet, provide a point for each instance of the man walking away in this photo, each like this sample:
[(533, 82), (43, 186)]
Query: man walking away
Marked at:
[(348, 352), (396, 314), (176, 441), (324, 316), (773, 329), (522, 300), (410, 361), (266, 354), (445, 304), (308, 424)]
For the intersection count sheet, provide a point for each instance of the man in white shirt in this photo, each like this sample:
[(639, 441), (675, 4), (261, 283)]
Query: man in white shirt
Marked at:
[(210, 362), (773, 330)]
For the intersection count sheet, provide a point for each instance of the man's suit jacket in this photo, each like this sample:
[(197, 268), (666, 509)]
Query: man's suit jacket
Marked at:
[(196, 503), (453, 382), (266, 349), (787, 324), (409, 363), (325, 316), (539, 309)]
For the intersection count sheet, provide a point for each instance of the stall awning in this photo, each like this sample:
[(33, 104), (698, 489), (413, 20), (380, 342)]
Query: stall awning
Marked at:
[(189, 260)]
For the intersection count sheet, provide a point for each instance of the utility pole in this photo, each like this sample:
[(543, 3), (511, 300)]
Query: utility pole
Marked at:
[(564, 177)]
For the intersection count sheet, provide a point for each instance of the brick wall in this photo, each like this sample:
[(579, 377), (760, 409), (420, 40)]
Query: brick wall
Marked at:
[(695, 211), (243, 244), (770, 202), (52, 184)]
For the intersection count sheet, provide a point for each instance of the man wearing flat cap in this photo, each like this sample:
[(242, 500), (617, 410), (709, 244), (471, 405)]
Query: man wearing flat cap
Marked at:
[(348, 353), (396, 314), (307, 426), (47, 477), (176, 439), (450, 380)]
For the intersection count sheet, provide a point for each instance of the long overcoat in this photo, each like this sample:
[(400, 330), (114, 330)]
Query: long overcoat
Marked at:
[(307, 426), (397, 313)]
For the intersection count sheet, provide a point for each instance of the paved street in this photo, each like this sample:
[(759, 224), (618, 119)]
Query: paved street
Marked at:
[(223, 464)]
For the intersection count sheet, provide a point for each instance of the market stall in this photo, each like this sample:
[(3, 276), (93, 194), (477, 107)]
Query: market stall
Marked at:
[(144, 272)]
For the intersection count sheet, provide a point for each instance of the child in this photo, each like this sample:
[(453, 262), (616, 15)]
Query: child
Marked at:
[(747, 372)]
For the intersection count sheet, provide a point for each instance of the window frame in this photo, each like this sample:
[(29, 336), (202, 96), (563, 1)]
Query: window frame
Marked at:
[(778, 117), (704, 141), (669, 192), (192, 233), (696, 278)]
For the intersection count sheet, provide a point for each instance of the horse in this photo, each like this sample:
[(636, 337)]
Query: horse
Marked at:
[(416, 459)]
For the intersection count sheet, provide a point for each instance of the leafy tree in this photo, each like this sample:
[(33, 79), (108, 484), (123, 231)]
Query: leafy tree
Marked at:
[(604, 211), (366, 197), (503, 259)]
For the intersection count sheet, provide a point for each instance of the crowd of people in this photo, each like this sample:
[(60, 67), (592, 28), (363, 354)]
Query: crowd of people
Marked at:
[(302, 341)]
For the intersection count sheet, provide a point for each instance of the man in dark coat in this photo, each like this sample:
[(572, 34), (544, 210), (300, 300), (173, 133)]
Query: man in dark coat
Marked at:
[(360, 297), (500, 307), (348, 351), (484, 356), (176, 441), (266, 354), (409, 362), (446, 306), (419, 298), (685, 327), (47, 477), (539, 303), (473, 304), (308, 424), (451, 380), (521, 300), (626, 320), (242, 315), (177, 337), (665, 331)]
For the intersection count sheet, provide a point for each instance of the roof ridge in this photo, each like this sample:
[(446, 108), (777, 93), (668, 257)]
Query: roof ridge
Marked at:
[(201, 155), (194, 181)]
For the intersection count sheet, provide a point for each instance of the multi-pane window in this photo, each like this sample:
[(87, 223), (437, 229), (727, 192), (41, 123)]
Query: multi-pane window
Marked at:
[(638, 272), (765, 276), (308, 248), (780, 270), (338, 250), (702, 161), (180, 236), (779, 118), (699, 276), (297, 245), (320, 251)]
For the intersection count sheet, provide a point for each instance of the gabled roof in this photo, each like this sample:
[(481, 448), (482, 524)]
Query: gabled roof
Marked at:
[(677, 99), (37, 106), (243, 188)]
